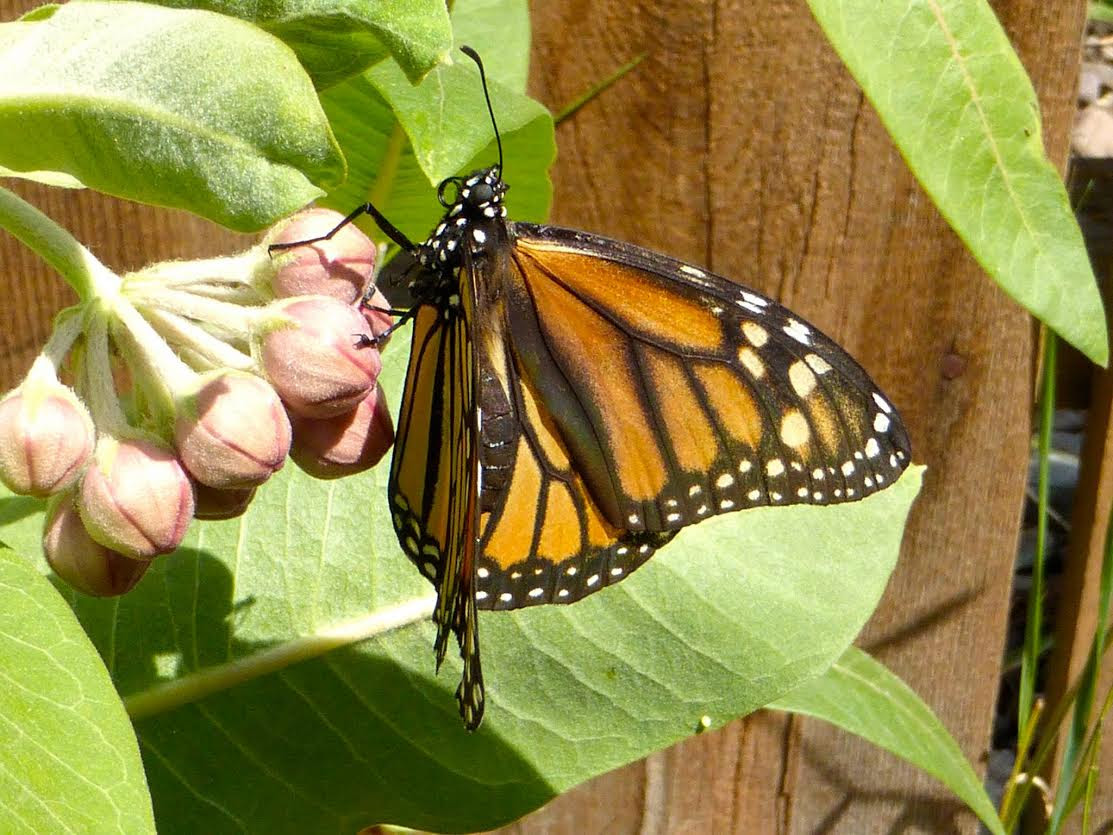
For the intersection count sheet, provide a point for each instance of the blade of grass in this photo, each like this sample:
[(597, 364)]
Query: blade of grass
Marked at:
[(1030, 661), (1010, 815), (1086, 769), (1023, 745), (595, 89), (1091, 674)]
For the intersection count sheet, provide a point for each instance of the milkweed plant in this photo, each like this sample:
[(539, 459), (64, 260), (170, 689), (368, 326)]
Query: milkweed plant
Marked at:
[(226, 618)]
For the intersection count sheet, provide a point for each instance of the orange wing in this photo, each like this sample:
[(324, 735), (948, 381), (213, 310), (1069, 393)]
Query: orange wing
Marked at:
[(628, 395), (433, 481)]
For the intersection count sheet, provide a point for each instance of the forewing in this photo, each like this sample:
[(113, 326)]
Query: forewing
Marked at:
[(679, 394)]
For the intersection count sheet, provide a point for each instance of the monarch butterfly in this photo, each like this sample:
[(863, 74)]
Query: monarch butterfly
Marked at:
[(572, 401)]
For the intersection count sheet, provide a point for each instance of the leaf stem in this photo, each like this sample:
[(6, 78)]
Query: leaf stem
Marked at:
[(55, 245), (197, 685)]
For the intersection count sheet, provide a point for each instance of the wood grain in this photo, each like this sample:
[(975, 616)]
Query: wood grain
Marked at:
[(741, 143), (1093, 503)]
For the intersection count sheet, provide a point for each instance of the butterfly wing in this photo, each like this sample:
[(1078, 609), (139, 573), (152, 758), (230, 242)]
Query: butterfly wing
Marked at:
[(645, 394), (433, 484)]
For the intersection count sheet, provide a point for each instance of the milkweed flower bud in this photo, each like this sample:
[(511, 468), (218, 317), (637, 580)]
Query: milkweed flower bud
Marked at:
[(374, 311), (81, 561), (340, 267), (212, 504), (323, 362), (46, 438), (346, 444), (231, 430), (135, 497)]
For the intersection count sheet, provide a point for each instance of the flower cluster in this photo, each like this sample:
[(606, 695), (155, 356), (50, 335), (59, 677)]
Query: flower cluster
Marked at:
[(173, 392)]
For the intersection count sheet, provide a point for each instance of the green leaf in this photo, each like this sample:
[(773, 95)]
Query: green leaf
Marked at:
[(186, 109), (384, 166), (444, 116), (859, 695), (337, 39), (48, 178), (952, 92), (69, 761), (1101, 11), (500, 31), (737, 611)]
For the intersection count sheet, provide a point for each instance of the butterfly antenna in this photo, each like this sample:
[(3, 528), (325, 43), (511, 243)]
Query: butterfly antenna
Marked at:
[(471, 53)]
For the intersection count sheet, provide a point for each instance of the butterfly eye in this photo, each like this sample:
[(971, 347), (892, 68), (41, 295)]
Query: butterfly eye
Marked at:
[(443, 192), (481, 193)]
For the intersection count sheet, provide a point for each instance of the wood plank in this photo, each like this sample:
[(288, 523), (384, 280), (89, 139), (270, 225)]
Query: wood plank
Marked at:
[(1093, 502), (793, 186)]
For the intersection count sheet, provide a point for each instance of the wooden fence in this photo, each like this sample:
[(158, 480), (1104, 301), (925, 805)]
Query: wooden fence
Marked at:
[(741, 143)]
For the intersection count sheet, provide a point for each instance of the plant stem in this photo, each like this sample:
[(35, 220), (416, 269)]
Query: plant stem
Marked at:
[(55, 245), (1030, 662), (232, 319), (388, 170), (595, 89), (1088, 685), (100, 393), (204, 682), (184, 333)]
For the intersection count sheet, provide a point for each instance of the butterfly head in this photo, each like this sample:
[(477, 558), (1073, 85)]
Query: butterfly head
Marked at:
[(474, 209)]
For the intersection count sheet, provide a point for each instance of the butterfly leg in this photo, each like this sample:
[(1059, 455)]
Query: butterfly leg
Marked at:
[(389, 228), (404, 316)]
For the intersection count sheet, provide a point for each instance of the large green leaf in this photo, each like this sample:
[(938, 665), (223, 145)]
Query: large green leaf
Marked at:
[(859, 695), (952, 92), (257, 706), (396, 157), (179, 108), (69, 762), (336, 39)]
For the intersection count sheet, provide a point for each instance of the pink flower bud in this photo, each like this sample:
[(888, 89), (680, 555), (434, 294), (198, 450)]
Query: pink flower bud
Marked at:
[(324, 364), (81, 561), (373, 310), (46, 438), (221, 504), (345, 444), (135, 497), (232, 430), (339, 267)]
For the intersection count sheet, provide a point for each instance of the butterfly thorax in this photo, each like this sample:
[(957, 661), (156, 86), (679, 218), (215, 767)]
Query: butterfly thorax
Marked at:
[(475, 219)]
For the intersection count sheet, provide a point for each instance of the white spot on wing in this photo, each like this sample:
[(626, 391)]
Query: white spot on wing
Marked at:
[(817, 364), (802, 379), (754, 299), (755, 333), (752, 362), (794, 429), (798, 331)]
